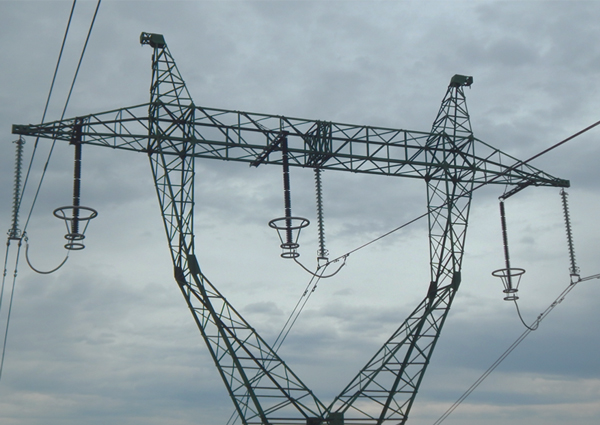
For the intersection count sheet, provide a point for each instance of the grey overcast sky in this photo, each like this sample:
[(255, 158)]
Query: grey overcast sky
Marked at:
[(108, 339)]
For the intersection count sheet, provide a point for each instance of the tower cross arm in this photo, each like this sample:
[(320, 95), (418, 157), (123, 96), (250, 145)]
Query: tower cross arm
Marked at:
[(230, 135)]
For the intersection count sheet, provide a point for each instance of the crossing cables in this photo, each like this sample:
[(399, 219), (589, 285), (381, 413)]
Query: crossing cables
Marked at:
[(65, 107), (10, 302), (514, 345), (15, 233), (468, 193), (62, 47)]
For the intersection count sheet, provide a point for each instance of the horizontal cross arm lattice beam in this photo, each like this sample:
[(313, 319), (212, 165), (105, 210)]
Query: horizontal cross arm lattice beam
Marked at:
[(242, 136)]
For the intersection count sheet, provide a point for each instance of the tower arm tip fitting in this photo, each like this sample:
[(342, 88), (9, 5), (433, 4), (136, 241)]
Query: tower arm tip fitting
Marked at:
[(461, 80), (154, 40)]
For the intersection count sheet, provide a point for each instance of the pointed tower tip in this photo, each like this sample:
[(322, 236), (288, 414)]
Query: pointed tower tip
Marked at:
[(461, 80), (154, 40)]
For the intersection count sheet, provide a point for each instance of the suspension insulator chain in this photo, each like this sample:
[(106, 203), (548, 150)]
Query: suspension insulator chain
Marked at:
[(322, 253), (510, 276), (15, 232), (76, 190), (291, 224), (76, 216), (505, 243), (573, 270), (287, 197)]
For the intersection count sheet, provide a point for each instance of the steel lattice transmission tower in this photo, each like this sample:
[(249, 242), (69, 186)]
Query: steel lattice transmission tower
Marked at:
[(174, 132)]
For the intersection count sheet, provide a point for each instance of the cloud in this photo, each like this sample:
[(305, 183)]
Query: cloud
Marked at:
[(108, 338)]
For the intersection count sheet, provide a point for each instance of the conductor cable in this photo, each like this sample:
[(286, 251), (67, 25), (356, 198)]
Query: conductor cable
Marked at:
[(40, 271), (62, 47), (469, 192), (10, 303), (510, 349), (63, 112)]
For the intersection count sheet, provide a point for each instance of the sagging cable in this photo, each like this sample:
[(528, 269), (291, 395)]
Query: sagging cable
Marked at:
[(40, 271), (510, 349), (534, 325), (321, 275)]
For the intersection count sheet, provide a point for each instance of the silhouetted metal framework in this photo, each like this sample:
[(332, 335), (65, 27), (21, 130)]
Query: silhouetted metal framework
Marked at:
[(173, 132)]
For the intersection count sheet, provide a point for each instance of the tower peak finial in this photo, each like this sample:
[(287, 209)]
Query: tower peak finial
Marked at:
[(461, 80)]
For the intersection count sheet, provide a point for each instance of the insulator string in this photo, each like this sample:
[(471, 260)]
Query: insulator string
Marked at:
[(287, 197), (18, 198), (505, 243), (479, 186), (14, 232), (65, 107), (322, 253), (574, 270), (62, 47), (76, 189)]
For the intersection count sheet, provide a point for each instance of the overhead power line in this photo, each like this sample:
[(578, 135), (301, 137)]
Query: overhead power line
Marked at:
[(64, 109), (62, 47), (514, 345), (518, 164), (18, 204)]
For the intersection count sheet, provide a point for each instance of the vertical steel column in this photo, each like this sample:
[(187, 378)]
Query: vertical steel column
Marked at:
[(262, 388), (384, 390)]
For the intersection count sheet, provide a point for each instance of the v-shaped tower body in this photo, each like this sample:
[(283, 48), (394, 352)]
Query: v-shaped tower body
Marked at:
[(174, 132)]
